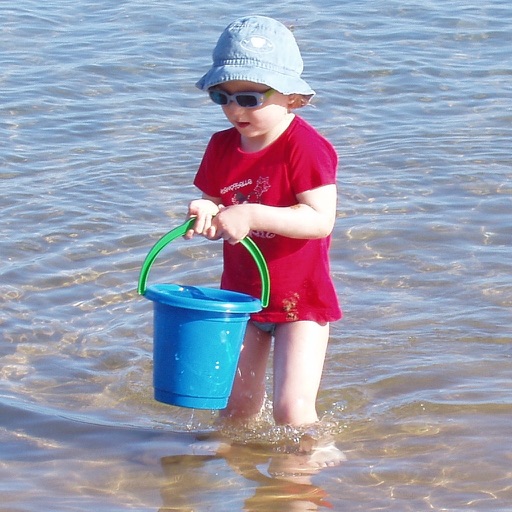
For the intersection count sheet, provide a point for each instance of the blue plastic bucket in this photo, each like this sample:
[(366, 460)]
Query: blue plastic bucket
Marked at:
[(198, 334), (197, 337)]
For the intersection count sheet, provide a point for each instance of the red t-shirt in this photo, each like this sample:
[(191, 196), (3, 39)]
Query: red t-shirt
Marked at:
[(301, 287)]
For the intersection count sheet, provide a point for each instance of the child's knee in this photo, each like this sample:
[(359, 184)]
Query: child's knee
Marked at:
[(295, 412)]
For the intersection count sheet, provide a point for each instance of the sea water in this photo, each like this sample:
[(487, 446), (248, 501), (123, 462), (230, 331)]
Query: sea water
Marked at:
[(101, 132)]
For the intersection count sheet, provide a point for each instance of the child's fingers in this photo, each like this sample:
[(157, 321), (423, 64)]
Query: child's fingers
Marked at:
[(189, 234)]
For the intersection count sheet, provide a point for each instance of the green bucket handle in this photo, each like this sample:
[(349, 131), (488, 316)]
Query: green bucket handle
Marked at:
[(247, 242)]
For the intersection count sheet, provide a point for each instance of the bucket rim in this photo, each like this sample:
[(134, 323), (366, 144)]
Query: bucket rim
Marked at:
[(203, 299)]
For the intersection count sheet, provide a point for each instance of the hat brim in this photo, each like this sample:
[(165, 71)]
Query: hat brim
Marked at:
[(285, 84)]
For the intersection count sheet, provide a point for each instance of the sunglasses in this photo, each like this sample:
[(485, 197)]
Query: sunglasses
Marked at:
[(242, 99)]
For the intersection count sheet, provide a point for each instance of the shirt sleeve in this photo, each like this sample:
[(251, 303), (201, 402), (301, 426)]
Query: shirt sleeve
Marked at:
[(205, 179), (313, 160)]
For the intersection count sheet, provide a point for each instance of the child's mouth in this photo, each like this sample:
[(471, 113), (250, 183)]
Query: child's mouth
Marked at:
[(242, 125)]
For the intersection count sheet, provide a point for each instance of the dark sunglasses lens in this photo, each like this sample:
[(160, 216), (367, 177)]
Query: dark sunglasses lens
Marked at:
[(247, 100), (218, 97)]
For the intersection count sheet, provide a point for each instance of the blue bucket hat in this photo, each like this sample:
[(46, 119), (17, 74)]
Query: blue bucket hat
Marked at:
[(261, 50)]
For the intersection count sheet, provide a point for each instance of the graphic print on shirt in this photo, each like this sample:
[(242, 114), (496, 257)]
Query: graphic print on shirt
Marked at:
[(290, 307), (238, 197), (262, 185)]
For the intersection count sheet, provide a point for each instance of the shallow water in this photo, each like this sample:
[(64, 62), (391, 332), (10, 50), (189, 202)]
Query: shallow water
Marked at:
[(101, 132)]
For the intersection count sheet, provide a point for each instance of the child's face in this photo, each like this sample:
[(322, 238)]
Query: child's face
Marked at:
[(264, 122)]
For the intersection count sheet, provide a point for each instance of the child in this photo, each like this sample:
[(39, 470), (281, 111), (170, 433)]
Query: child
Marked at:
[(273, 177)]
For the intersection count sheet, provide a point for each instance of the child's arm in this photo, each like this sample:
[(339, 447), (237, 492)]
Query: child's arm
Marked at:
[(312, 217)]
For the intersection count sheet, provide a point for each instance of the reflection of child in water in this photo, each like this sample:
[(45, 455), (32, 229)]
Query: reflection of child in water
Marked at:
[(283, 479), (272, 176)]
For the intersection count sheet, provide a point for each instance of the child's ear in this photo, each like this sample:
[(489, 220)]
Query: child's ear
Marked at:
[(298, 101), (294, 101)]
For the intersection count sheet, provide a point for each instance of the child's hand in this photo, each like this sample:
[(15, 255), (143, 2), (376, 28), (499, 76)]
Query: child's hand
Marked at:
[(232, 224), (204, 210)]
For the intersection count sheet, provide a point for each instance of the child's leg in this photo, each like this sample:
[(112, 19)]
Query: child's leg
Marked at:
[(299, 353), (248, 393)]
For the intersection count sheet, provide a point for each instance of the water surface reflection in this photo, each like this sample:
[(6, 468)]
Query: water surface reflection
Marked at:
[(270, 480)]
